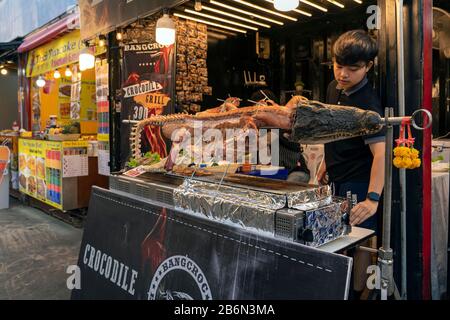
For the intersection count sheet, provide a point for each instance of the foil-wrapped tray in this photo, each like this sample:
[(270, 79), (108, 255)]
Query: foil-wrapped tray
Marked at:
[(250, 207)]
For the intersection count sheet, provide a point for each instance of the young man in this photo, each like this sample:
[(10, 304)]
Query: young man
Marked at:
[(355, 164)]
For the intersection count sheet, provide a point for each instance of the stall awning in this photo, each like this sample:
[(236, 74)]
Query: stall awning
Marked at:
[(66, 24)]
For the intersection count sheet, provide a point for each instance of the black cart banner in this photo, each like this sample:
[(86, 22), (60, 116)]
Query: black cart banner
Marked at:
[(100, 16), (147, 90), (138, 250)]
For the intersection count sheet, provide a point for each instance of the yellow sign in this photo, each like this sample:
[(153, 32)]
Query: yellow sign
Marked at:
[(57, 54), (75, 144), (40, 170), (103, 137)]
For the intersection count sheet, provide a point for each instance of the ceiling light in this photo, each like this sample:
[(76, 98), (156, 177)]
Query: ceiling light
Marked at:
[(68, 72), (246, 12), (220, 19), (209, 23), (102, 41), (358, 1), (198, 5), (165, 30), (285, 5), (309, 3), (119, 35), (340, 5), (56, 74), (4, 72), (40, 82), (265, 10), (294, 9), (235, 16), (303, 12), (87, 59)]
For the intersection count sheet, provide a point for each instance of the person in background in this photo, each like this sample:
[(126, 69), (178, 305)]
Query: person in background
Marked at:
[(291, 156)]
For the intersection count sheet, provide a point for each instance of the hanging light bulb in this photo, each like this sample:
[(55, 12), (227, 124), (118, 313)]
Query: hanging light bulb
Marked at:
[(56, 74), (4, 72), (87, 59), (286, 5), (102, 41), (165, 31), (198, 5), (40, 82), (119, 35), (68, 72)]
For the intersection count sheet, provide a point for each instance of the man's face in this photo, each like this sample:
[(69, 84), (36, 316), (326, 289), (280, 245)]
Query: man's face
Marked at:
[(349, 76)]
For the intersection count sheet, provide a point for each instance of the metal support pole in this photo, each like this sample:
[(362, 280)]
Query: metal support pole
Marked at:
[(401, 110), (385, 258)]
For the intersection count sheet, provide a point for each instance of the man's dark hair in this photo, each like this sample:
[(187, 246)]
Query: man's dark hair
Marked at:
[(355, 46)]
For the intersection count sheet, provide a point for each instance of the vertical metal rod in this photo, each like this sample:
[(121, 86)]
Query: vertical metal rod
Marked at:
[(386, 241), (401, 110)]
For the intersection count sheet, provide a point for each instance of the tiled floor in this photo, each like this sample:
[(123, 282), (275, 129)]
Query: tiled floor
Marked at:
[(35, 251)]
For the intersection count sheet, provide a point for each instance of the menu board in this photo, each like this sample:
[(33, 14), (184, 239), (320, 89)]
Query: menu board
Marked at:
[(75, 159), (40, 171), (44, 164)]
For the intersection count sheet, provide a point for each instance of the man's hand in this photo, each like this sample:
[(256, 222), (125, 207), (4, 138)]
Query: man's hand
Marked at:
[(363, 211), (280, 120)]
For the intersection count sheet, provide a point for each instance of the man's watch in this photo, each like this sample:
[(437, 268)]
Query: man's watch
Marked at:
[(373, 196)]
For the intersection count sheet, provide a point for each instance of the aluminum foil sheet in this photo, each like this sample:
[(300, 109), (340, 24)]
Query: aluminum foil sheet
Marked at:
[(311, 198), (245, 207), (326, 223), (256, 209)]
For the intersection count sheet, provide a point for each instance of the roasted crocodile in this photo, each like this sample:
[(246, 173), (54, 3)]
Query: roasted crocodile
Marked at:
[(315, 123)]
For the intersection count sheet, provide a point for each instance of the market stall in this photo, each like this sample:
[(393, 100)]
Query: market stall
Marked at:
[(58, 154), (152, 82)]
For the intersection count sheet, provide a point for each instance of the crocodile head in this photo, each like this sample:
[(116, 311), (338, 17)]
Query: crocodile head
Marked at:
[(318, 123)]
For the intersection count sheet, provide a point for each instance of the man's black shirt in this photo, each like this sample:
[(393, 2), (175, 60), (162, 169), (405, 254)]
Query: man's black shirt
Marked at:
[(351, 159)]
